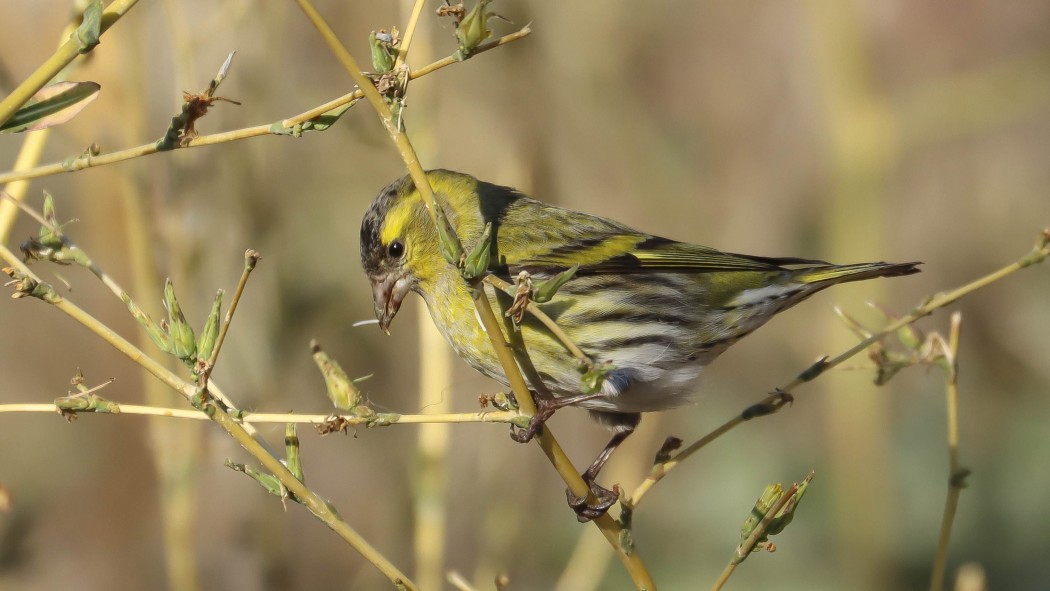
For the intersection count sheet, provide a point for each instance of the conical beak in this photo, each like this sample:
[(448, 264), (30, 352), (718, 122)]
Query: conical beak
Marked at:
[(387, 293)]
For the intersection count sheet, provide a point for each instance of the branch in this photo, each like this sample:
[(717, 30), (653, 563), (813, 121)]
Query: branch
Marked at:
[(956, 474), (282, 128), (245, 417)]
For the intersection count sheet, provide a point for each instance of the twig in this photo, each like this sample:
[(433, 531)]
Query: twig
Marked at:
[(245, 417), (957, 474), (311, 500), (84, 162), (410, 33), (251, 258), (775, 401)]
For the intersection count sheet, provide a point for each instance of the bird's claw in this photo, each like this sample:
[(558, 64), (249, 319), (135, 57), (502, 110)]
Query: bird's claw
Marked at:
[(604, 498), (544, 411)]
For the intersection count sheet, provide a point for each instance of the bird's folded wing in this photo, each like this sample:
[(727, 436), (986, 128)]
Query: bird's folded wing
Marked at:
[(638, 253)]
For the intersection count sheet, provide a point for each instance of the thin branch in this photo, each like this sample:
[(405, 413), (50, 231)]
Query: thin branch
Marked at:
[(251, 258), (311, 500), (245, 417), (89, 161), (410, 33), (957, 474)]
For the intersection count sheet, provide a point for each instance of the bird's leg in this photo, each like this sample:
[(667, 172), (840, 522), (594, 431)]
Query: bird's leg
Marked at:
[(604, 498), (545, 408)]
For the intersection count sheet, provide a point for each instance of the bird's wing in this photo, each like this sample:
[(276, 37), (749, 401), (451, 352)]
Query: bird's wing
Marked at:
[(624, 253), (543, 239)]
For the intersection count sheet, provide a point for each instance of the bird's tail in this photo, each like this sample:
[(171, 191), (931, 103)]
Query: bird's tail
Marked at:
[(822, 277)]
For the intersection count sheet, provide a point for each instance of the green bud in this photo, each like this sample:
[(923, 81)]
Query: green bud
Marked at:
[(86, 403), (50, 245), (521, 422), (155, 332), (291, 451), (472, 30), (477, 262), (183, 342), (47, 235), (210, 332), (90, 29), (765, 502), (384, 52), (771, 496), (448, 241), (504, 402), (271, 483), (342, 391), (545, 291), (594, 376), (26, 287), (382, 419)]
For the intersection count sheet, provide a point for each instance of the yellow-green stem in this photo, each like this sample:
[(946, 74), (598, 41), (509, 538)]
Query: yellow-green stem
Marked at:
[(245, 417), (28, 172), (955, 473)]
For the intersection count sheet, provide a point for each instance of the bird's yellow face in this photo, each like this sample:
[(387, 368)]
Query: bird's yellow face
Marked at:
[(399, 245)]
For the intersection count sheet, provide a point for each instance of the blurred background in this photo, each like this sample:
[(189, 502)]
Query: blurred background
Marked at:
[(847, 131)]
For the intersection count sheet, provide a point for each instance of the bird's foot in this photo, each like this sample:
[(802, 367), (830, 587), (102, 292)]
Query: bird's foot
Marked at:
[(603, 499), (544, 410)]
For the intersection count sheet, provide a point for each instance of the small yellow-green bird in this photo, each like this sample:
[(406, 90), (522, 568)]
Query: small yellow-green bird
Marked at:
[(656, 310)]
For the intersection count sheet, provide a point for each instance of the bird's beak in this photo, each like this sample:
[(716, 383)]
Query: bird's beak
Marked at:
[(387, 293)]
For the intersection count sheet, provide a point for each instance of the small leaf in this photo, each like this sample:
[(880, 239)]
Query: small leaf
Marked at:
[(210, 332), (384, 50), (52, 105), (90, 29), (291, 451), (473, 29), (545, 291), (448, 240), (183, 342), (342, 391), (593, 377), (477, 261)]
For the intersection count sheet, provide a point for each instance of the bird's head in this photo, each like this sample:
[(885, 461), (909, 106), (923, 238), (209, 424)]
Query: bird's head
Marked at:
[(399, 243)]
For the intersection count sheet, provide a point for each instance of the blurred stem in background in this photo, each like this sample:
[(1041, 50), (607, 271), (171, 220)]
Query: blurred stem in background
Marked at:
[(862, 147), (431, 469), (176, 449)]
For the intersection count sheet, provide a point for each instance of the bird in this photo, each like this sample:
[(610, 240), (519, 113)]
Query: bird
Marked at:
[(652, 311)]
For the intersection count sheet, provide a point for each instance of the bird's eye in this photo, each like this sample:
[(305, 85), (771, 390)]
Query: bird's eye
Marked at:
[(396, 249)]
